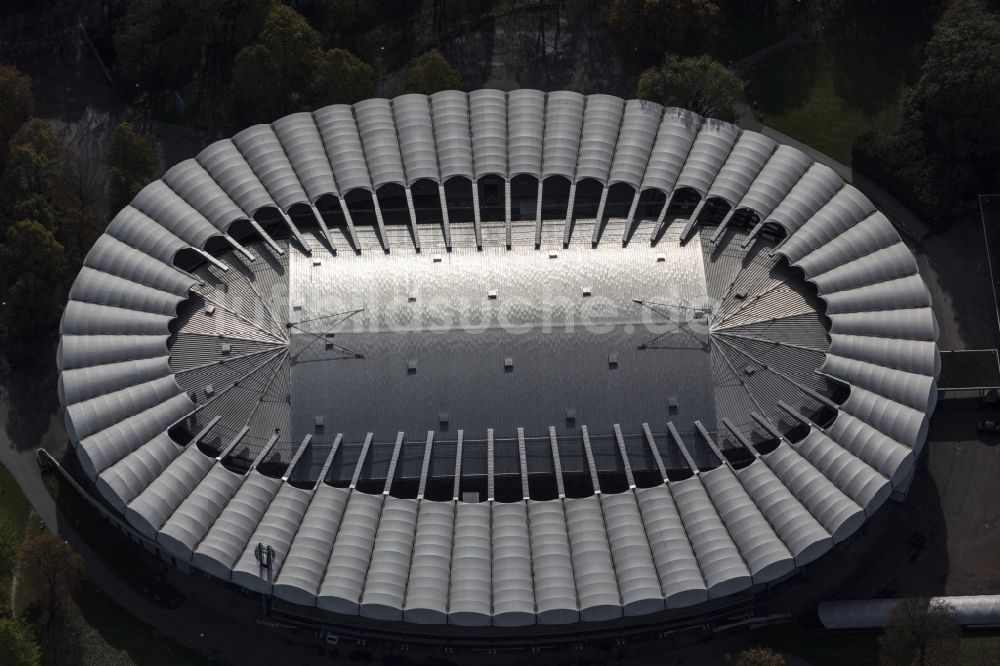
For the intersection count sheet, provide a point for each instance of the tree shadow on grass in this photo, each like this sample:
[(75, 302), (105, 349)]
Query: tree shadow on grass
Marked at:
[(29, 388), (870, 78), (786, 82)]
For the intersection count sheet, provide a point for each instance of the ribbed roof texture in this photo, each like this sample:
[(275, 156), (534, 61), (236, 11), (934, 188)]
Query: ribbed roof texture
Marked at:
[(713, 534)]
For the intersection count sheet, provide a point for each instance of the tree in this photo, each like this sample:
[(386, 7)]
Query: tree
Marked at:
[(653, 27), (17, 103), (17, 644), (701, 84), (946, 145), (34, 158), (922, 632), (955, 101), (759, 656), (49, 574), (159, 43), (341, 78), (338, 17), (32, 275), (429, 74), (255, 85), (132, 161), (295, 47)]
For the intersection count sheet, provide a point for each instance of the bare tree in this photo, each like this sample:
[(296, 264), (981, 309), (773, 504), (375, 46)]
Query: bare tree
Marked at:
[(921, 632)]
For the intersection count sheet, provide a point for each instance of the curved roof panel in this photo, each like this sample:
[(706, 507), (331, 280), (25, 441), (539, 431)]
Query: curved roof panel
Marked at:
[(640, 123), (300, 138), (776, 179), (563, 126), (266, 156), (711, 148), (746, 159), (377, 130), (602, 118), (674, 139), (415, 129), (451, 117), (229, 168), (488, 120), (342, 143), (195, 185)]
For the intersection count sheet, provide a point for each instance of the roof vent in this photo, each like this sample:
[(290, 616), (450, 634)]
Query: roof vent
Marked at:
[(411, 367), (613, 360), (209, 309), (226, 348), (508, 364)]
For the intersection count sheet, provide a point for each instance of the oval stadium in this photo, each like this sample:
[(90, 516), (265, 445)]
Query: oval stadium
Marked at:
[(498, 359)]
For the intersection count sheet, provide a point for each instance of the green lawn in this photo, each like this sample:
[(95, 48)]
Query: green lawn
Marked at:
[(14, 511), (825, 95), (860, 648)]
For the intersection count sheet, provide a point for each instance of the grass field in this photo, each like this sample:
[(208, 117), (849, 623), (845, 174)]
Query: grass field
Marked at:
[(861, 648), (14, 512), (826, 95)]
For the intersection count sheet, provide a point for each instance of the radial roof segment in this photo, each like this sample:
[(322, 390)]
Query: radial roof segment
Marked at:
[(497, 359)]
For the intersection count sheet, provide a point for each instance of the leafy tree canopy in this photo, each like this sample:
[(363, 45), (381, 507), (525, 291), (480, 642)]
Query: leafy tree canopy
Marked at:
[(701, 84), (922, 632), (955, 102), (655, 26), (429, 74), (35, 155), (946, 146), (17, 644), (158, 43), (337, 17), (759, 656), (341, 78), (254, 87), (163, 44), (295, 47), (48, 575), (16, 103), (32, 268), (132, 161)]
